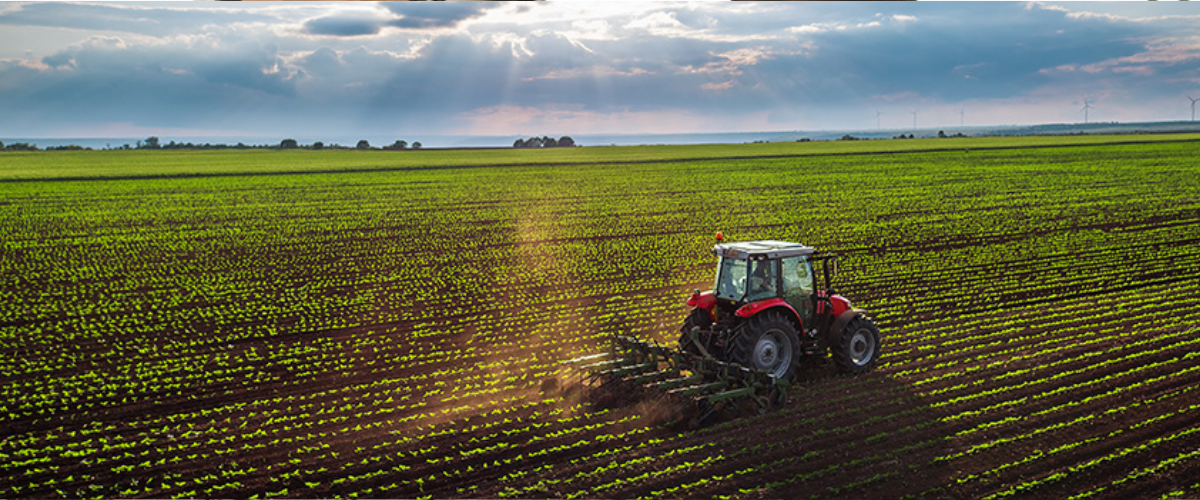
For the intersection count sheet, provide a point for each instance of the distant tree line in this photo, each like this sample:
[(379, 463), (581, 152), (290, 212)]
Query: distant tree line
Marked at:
[(545, 142), (24, 146), (941, 135), (153, 142)]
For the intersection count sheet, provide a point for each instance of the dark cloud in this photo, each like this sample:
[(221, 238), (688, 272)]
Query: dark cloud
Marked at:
[(343, 26), (434, 15), (322, 62), (939, 56), (406, 15), (131, 18), (940, 53), (185, 83), (246, 64)]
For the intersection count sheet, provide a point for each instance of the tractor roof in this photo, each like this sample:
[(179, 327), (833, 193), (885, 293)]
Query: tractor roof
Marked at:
[(762, 249)]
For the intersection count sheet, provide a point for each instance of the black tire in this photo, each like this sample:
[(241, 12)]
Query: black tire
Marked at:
[(698, 317), (856, 349), (768, 342)]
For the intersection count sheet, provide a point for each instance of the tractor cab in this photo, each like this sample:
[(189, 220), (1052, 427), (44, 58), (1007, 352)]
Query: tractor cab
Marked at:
[(754, 271)]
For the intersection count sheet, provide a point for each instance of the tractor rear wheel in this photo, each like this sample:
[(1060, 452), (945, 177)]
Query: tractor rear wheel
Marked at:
[(856, 349), (768, 342), (698, 317)]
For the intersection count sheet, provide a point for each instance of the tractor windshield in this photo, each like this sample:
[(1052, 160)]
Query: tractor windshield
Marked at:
[(739, 279), (731, 279)]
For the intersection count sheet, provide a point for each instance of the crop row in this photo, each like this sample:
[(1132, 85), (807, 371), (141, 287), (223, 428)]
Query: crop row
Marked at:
[(400, 332)]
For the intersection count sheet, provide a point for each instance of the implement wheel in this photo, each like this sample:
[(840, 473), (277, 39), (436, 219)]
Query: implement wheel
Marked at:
[(768, 342), (856, 349)]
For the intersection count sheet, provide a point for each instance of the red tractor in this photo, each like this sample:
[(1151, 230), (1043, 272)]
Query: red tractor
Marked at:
[(745, 338), (766, 310)]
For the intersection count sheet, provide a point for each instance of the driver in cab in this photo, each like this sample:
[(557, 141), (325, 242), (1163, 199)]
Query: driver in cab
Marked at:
[(762, 284)]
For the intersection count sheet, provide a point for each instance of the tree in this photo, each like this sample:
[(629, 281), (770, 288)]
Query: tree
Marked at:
[(363, 144), (150, 143), (318, 145), (288, 144), (417, 145), (549, 142), (399, 145), (941, 134), (519, 143), (566, 142)]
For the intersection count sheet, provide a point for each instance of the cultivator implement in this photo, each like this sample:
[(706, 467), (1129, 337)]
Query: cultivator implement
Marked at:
[(633, 365)]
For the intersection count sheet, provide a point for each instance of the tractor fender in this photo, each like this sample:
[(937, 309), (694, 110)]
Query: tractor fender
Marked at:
[(705, 300), (774, 304), (840, 323)]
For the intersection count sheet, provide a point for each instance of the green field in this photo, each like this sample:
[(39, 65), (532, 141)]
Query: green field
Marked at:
[(178, 163), (391, 323)]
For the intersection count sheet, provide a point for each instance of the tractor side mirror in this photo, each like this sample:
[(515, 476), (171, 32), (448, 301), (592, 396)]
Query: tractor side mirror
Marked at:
[(829, 265)]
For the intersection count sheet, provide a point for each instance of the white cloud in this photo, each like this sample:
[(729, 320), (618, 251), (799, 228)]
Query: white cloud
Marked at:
[(1158, 54), (590, 29), (659, 24), (832, 26), (588, 72), (719, 86), (810, 28), (368, 65)]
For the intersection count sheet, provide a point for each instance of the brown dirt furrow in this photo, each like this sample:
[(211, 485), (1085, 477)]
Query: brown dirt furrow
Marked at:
[(746, 444), (1088, 459), (977, 465)]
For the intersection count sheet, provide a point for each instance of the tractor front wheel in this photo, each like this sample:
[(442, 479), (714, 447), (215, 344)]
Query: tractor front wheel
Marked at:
[(698, 317), (768, 342), (856, 349)]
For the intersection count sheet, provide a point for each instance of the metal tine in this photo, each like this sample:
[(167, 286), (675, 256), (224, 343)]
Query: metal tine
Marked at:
[(602, 364), (581, 359), (678, 382), (698, 389)]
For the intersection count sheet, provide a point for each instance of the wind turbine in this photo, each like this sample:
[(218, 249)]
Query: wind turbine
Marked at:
[(962, 116), (1086, 106), (877, 113), (1193, 107), (914, 113)]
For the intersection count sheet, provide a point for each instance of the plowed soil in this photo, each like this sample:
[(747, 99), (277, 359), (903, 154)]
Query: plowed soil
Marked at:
[(408, 332)]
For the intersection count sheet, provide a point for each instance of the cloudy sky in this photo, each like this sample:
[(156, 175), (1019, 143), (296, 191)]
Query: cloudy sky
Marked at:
[(134, 69)]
